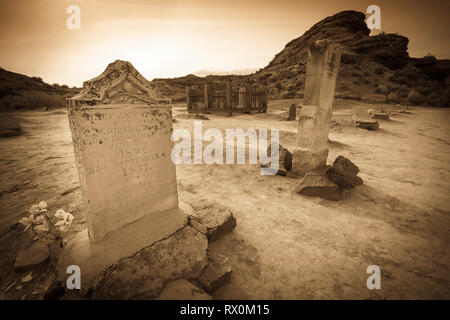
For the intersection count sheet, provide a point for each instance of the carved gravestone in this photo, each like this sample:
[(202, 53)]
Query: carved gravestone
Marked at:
[(292, 112), (121, 130), (315, 116)]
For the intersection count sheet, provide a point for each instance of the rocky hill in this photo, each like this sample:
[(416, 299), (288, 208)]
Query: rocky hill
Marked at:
[(373, 68), (18, 91)]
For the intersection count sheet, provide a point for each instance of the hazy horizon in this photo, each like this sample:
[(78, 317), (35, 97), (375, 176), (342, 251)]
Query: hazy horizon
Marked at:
[(171, 38)]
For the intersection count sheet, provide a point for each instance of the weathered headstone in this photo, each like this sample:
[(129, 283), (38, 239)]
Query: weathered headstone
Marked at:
[(121, 128), (315, 117), (292, 112)]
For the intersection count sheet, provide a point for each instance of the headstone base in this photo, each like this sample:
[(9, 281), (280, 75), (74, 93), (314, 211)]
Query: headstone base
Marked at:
[(94, 257), (306, 160)]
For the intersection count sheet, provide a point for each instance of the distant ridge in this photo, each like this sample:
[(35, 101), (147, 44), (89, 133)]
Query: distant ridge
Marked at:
[(375, 69)]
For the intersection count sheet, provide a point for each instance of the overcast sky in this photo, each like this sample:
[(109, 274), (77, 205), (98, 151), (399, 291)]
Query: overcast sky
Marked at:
[(170, 38)]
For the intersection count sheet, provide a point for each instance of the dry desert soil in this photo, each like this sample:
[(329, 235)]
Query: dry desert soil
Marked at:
[(285, 245)]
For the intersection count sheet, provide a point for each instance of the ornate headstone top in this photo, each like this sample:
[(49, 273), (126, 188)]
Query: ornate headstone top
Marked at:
[(120, 83)]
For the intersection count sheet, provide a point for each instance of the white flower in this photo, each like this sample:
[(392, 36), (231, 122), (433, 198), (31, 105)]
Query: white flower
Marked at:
[(60, 213), (42, 205)]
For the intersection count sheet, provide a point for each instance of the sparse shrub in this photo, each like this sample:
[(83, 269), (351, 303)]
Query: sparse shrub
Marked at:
[(382, 89), (393, 97), (424, 91), (438, 100), (378, 70), (414, 97)]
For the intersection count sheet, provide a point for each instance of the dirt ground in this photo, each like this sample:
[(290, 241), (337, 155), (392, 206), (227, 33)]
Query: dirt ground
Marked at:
[(285, 246)]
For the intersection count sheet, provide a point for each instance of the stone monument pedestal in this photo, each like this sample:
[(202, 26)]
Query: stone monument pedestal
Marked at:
[(93, 257), (315, 116)]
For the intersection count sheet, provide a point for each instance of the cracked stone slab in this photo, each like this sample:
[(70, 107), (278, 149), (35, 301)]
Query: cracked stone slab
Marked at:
[(143, 275)]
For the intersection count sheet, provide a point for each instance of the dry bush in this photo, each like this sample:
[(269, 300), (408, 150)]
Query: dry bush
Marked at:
[(378, 70), (382, 89), (33, 99), (414, 97), (393, 97)]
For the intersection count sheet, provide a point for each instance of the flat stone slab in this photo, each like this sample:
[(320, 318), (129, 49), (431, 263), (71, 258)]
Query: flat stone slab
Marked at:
[(212, 219), (32, 257), (368, 125), (384, 116), (182, 290), (315, 183), (142, 276), (343, 172)]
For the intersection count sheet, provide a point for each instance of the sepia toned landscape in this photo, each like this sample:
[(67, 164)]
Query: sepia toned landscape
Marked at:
[(87, 178)]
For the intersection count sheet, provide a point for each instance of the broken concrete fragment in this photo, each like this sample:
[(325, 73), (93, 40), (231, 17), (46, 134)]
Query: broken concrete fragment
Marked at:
[(214, 276), (34, 256), (344, 173), (182, 289), (143, 275), (285, 159), (217, 219), (316, 184)]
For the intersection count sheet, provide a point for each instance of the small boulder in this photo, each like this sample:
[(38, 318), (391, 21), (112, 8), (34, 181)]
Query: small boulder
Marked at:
[(34, 256), (284, 159), (344, 173), (212, 219), (214, 276), (315, 183), (182, 289)]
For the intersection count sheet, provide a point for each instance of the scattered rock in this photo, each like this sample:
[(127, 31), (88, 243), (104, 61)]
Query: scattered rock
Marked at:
[(27, 278), (315, 183), (36, 255), (182, 290), (143, 275), (214, 276), (285, 159), (344, 173), (215, 219)]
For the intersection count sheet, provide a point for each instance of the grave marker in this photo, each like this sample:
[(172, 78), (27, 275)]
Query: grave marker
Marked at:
[(121, 128), (315, 116)]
